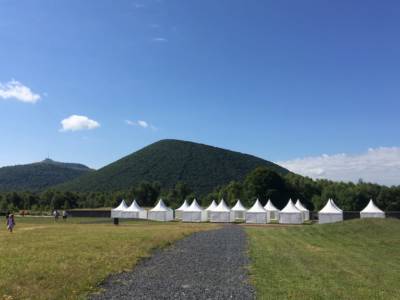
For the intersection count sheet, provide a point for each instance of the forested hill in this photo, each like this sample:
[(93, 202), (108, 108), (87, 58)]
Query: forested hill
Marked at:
[(201, 167), (39, 176)]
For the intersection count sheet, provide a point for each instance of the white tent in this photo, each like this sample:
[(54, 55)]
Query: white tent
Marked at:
[(210, 208), (178, 211), (239, 211), (256, 214), (272, 211), (372, 211), (330, 213), (161, 212), (194, 213), (117, 212), (222, 213), (134, 211), (290, 214), (305, 211)]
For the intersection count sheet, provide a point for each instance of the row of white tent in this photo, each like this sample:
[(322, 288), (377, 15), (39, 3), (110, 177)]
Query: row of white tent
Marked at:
[(158, 213), (292, 213), (331, 213)]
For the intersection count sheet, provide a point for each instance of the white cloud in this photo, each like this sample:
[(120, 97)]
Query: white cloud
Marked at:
[(75, 123), (143, 124), (140, 123), (159, 40), (380, 165), (16, 90), (130, 123)]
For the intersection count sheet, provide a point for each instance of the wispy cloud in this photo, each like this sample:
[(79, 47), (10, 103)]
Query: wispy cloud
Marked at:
[(379, 165), (130, 123), (140, 123), (76, 123), (143, 124), (138, 5), (16, 90), (159, 40)]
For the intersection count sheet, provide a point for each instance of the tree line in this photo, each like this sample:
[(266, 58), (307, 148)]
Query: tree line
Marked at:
[(262, 183)]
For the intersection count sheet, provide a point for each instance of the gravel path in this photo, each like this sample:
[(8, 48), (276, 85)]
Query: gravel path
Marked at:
[(205, 265)]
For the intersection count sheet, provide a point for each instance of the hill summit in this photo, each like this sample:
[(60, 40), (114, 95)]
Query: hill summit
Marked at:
[(73, 166), (200, 166)]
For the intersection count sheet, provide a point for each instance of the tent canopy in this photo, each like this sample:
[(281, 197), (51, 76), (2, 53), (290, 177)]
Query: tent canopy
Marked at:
[(331, 208), (300, 206), (256, 214), (257, 208), (371, 208), (212, 206), (160, 206), (184, 206), (194, 207), (222, 207), (290, 208), (238, 206), (121, 206), (134, 207), (269, 206)]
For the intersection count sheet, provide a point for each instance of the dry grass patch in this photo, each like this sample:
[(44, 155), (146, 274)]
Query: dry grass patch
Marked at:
[(47, 260)]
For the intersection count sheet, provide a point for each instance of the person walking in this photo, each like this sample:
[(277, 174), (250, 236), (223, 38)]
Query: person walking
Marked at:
[(65, 215), (10, 222)]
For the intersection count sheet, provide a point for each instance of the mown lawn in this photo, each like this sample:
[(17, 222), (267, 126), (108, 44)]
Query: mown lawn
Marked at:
[(47, 260), (358, 259)]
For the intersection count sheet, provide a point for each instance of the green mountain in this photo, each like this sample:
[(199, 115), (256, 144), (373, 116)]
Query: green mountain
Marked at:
[(201, 167), (39, 176)]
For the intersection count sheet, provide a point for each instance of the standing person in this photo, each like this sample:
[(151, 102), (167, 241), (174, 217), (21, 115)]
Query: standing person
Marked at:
[(10, 222), (64, 215), (7, 214), (56, 214)]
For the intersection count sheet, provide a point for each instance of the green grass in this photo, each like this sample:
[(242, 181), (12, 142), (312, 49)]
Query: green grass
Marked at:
[(357, 259), (43, 259)]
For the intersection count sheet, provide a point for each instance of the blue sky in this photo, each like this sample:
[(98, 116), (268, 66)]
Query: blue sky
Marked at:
[(287, 81)]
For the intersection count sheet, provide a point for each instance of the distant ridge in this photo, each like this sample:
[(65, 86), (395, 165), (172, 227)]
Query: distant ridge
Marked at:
[(73, 166), (200, 166), (39, 176)]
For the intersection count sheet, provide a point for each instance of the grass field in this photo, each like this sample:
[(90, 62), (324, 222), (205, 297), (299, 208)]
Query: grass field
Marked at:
[(358, 259), (47, 260)]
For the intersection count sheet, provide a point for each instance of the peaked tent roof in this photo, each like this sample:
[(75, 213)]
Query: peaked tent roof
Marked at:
[(330, 208), (212, 206), (257, 208), (300, 206), (184, 206), (194, 207), (334, 204), (160, 206), (372, 208), (270, 206), (238, 206), (134, 207), (121, 206), (290, 208), (222, 207)]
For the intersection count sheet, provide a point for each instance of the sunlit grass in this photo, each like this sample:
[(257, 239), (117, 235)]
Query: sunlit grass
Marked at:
[(44, 259), (357, 259)]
